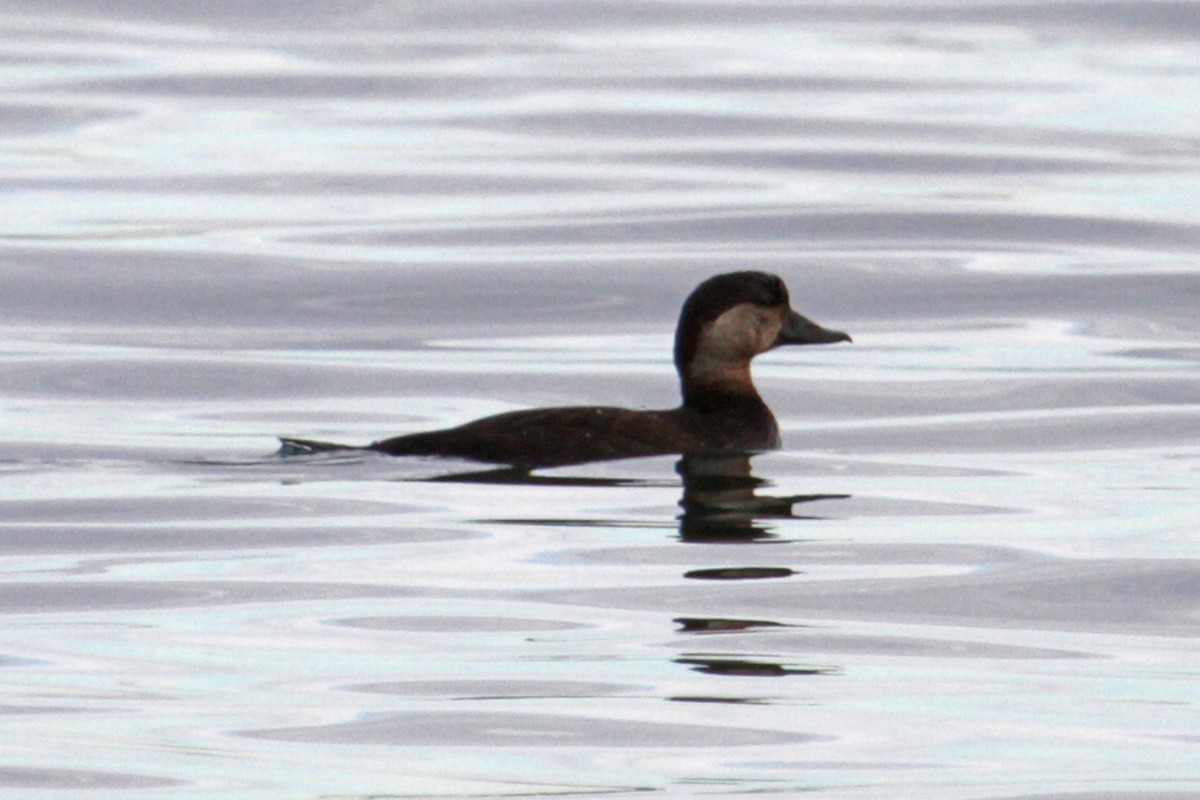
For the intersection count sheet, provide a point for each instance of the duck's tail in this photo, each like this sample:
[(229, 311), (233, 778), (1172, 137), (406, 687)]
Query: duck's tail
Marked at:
[(307, 447)]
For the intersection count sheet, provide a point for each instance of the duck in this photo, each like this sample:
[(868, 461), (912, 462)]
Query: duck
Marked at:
[(725, 322)]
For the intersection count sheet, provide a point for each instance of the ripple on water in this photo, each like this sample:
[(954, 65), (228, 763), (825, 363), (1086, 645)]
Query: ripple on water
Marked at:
[(32, 778), (526, 730)]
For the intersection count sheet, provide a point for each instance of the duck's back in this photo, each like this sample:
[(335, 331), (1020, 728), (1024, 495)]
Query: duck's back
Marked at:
[(548, 437), (557, 436)]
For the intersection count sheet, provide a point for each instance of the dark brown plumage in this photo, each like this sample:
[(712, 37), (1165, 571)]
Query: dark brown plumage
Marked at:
[(724, 323)]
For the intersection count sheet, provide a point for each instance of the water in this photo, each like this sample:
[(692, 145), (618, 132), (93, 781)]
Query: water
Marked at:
[(225, 222)]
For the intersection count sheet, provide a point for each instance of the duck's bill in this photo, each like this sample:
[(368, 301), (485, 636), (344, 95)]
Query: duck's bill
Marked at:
[(800, 330)]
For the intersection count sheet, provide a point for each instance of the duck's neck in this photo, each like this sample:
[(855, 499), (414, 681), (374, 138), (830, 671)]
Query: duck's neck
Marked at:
[(713, 387)]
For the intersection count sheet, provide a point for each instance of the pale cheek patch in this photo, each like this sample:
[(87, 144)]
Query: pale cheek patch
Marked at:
[(743, 331)]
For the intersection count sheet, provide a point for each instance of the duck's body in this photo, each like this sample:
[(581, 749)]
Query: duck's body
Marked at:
[(724, 323), (546, 437)]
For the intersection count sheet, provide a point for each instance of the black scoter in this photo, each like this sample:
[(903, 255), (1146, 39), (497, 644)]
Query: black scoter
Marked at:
[(725, 322)]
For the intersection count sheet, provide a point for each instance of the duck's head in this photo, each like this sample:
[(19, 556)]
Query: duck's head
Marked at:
[(731, 318)]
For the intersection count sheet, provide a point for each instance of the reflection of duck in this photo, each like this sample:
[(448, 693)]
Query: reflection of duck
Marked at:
[(724, 323), (720, 504)]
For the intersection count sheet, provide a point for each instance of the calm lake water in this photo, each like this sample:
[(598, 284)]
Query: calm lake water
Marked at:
[(229, 221)]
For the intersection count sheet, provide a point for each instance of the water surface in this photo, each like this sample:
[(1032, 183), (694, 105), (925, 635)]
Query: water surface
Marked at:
[(972, 571)]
